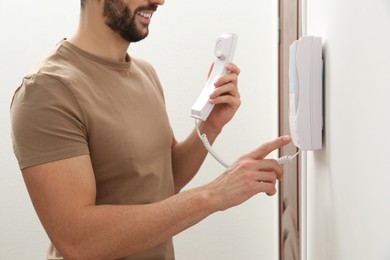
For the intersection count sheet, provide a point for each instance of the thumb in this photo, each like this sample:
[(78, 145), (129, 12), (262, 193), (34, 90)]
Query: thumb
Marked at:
[(263, 150)]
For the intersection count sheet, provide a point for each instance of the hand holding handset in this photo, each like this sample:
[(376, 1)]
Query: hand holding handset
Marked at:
[(224, 49)]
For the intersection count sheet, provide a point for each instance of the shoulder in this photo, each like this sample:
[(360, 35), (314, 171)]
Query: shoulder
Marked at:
[(47, 81), (45, 87), (62, 65)]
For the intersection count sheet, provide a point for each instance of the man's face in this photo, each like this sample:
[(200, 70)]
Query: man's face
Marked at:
[(132, 25)]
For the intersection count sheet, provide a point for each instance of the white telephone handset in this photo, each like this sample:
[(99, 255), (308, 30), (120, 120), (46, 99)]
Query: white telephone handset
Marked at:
[(305, 73), (224, 49)]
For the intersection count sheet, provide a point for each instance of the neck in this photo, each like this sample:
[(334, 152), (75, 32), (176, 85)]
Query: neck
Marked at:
[(95, 37)]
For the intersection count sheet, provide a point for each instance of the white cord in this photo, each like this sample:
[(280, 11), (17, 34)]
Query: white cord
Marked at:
[(208, 147), (284, 159)]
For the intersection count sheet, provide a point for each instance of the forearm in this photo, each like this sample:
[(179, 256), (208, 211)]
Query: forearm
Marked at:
[(111, 232), (63, 194), (188, 156)]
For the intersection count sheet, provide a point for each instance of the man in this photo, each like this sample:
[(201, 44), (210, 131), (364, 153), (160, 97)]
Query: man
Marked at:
[(98, 156)]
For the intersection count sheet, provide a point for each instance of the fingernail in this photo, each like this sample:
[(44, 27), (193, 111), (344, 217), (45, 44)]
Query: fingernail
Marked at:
[(286, 138)]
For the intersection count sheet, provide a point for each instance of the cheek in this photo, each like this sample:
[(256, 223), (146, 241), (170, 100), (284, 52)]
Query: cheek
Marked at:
[(132, 4)]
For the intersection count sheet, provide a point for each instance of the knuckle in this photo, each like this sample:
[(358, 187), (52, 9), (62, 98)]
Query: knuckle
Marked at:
[(250, 185), (281, 174), (245, 164), (273, 178)]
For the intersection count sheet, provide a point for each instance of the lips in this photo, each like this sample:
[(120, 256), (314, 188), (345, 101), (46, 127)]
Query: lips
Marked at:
[(146, 15), (146, 12)]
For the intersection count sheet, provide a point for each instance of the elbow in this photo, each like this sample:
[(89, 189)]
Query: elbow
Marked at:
[(78, 251), (71, 252), (178, 188), (178, 185)]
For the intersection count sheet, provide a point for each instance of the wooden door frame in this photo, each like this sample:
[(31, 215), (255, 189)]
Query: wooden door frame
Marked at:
[(290, 29)]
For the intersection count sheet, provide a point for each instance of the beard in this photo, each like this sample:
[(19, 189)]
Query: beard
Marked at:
[(122, 21)]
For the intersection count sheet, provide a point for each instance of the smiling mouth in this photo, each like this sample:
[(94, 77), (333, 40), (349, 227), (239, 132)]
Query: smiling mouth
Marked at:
[(146, 15)]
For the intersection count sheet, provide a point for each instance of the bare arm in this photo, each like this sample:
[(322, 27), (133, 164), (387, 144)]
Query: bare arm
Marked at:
[(63, 194), (188, 156)]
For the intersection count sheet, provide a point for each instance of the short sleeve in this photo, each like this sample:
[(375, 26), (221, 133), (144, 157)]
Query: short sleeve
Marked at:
[(47, 122)]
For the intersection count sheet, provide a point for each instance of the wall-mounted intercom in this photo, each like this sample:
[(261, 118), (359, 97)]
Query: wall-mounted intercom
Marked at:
[(306, 93)]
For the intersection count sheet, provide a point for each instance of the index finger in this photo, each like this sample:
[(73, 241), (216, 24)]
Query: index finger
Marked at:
[(263, 150), (233, 68)]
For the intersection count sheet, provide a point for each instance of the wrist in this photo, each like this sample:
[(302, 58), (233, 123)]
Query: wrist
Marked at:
[(211, 131), (207, 200), (211, 199)]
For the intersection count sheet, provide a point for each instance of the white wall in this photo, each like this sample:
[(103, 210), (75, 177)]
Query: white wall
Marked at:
[(349, 207), (180, 47)]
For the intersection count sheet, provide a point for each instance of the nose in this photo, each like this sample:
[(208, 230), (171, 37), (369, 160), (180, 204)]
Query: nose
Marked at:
[(157, 2)]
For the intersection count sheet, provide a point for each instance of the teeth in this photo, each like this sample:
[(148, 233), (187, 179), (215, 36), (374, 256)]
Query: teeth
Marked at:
[(146, 15)]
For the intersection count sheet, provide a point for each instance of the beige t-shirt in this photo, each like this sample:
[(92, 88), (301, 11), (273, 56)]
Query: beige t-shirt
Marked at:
[(75, 103)]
